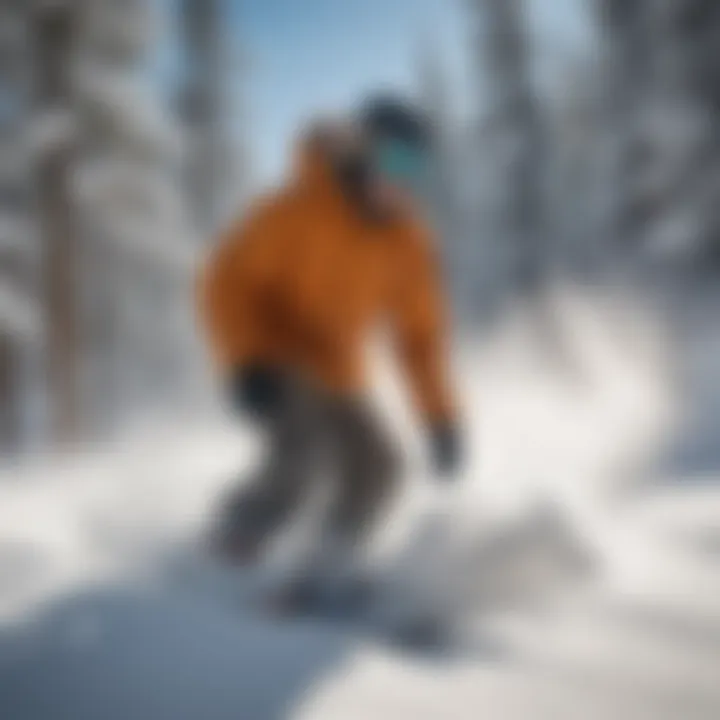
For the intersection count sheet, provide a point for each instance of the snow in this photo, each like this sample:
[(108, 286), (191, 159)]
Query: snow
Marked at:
[(171, 252), (123, 106), (143, 214), (581, 588)]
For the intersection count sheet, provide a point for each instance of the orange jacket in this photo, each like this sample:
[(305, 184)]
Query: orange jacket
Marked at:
[(302, 278)]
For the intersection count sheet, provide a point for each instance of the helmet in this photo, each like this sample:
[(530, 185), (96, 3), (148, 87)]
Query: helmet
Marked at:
[(400, 140), (388, 117)]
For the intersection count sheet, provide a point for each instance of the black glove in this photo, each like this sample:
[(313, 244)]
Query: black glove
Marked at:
[(446, 449), (256, 389)]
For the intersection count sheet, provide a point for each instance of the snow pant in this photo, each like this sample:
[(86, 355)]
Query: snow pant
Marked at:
[(315, 436)]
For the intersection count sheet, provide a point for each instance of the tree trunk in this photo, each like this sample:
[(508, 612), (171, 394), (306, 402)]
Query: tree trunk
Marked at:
[(624, 24), (9, 409), (519, 143), (54, 39), (203, 110)]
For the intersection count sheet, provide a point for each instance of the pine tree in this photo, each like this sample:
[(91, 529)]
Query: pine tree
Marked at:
[(514, 119), (19, 311), (625, 44), (442, 191), (662, 72), (54, 37), (205, 104), (677, 193), (138, 261)]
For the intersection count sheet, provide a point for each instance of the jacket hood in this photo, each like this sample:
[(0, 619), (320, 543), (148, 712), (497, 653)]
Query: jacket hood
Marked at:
[(312, 166)]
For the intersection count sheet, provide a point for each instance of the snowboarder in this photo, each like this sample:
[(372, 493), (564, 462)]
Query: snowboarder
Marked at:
[(288, 299)]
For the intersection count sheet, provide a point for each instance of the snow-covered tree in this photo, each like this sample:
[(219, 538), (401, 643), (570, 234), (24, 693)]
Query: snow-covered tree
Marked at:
[(206, 105), (578, 203), (19, 310), (624, 45), (516, 150), (443, 191), (54, 29), (678, 189), (662, 69), (138, 262)]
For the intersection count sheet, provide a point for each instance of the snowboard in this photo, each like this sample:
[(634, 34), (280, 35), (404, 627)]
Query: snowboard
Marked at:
[(365, 611)]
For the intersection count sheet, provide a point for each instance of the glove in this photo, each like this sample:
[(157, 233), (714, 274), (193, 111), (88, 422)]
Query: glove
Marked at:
[(446, 449), (256, 389)]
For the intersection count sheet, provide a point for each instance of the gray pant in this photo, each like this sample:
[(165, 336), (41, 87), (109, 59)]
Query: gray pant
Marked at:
[(314, 435)]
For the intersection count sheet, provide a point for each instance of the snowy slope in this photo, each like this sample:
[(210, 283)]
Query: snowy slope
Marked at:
[(581, 589)]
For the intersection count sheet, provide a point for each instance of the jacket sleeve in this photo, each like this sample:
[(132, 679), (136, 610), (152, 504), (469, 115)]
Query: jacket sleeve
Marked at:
[(420, 328), (234, 282)]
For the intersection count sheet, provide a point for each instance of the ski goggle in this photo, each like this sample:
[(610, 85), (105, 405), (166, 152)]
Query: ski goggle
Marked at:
[(402, 163)]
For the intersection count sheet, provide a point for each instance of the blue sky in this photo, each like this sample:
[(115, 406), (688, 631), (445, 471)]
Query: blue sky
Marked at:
[(311, 56)]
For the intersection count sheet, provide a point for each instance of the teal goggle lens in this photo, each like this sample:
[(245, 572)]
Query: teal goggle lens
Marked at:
[(402, 163)]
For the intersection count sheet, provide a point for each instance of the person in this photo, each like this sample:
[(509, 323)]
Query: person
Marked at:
[(289, 298)]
